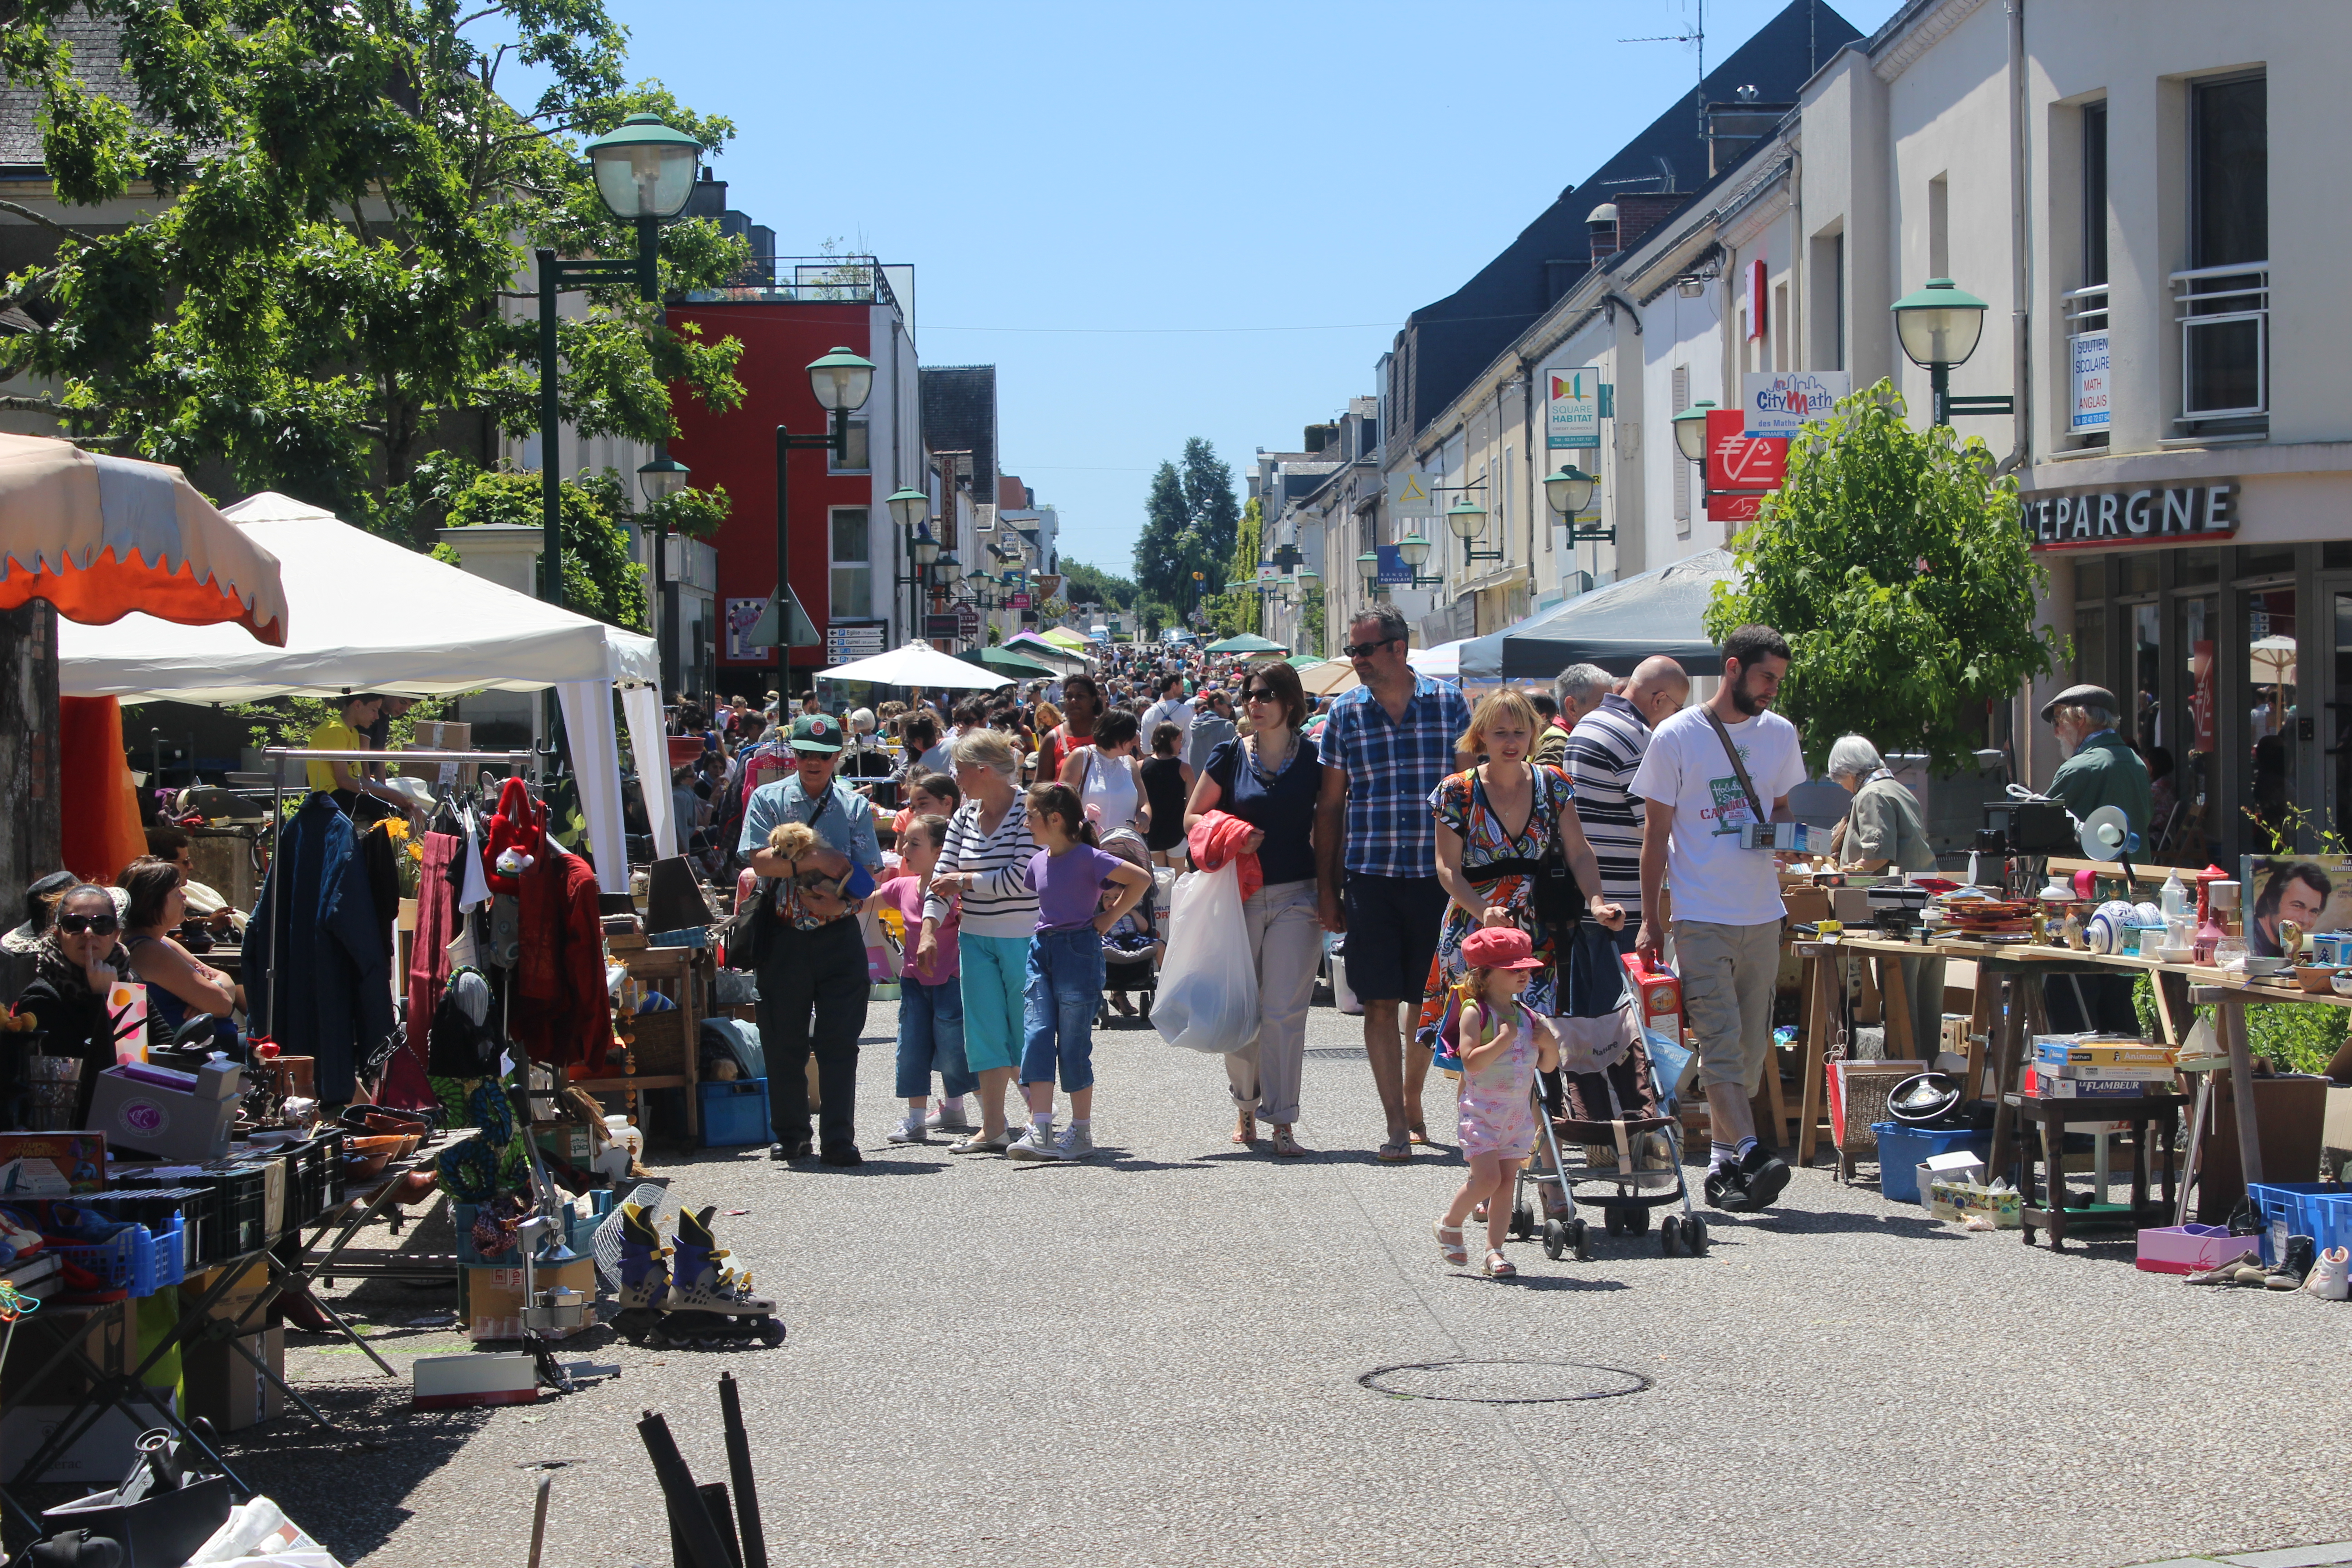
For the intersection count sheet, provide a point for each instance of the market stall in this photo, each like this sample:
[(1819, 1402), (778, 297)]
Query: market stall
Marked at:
[(1615, 627), (368, 615)]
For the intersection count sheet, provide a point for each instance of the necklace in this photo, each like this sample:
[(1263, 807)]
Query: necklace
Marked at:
[(1273, 769)]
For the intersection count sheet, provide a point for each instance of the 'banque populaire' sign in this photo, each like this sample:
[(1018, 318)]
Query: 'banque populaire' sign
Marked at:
[(2138, 514)]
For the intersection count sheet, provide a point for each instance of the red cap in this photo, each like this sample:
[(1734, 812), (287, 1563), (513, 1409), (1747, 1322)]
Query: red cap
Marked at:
[(1500, 947)]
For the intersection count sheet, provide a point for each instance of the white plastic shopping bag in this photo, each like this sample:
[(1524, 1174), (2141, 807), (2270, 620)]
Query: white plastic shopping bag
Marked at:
[(1207, 999)]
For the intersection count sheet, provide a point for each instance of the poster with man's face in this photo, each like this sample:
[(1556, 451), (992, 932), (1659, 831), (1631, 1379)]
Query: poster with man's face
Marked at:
[(2315, 891)]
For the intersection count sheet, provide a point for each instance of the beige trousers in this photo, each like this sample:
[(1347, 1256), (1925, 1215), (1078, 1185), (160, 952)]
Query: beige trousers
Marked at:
[(1286, 937)]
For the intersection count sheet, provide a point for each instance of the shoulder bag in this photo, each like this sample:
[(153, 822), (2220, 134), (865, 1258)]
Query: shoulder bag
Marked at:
[(1747, 788)]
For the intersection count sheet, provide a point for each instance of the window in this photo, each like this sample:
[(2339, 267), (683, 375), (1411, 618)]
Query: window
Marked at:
[(860, 459), (2090, 363), (2222, 301), (2095, 193), (1779, 317), (1681, 399), (853, 567), (2231, 167)]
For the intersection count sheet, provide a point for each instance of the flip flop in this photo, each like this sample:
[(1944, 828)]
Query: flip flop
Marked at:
[(1397, 1153)]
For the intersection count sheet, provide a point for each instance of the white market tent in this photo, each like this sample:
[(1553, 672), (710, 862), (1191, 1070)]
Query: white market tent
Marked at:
[(367, 615), (917, 664)]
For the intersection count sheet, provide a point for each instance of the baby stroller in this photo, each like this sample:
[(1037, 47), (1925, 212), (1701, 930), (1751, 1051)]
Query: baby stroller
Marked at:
[(1603, 1105), (1132, 948)]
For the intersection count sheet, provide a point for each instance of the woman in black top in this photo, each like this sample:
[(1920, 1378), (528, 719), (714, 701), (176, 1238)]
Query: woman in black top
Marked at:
[(78, 961), (1167, 784), (1270, 780)]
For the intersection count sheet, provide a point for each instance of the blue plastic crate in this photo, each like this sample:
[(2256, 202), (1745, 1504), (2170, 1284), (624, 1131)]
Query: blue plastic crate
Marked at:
[(2320, 1210), (124, 1261), (734, 1114), (1903, 1150), (170, 1245)]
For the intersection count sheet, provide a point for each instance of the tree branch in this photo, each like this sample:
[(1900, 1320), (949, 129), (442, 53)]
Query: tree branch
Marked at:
[(52, 225)]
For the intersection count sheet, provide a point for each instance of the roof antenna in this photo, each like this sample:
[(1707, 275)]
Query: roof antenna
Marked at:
[(1697, 35)]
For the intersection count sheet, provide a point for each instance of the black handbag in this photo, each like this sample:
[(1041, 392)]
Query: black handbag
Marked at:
[(1552, 890)]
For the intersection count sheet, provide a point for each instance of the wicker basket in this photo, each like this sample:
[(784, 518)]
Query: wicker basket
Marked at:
[(1866, 1084), (660, 1046)]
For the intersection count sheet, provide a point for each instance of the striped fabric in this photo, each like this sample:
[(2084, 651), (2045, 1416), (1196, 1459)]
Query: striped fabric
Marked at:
[(1001, 904), (1604, 752)]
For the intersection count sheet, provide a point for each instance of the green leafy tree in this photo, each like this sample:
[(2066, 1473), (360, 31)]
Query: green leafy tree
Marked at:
[(1190, 520), (323, 298), (1892, 560), (599, 577), (1163, 568), (1241, 611), (1082, 583), (1212, 515)]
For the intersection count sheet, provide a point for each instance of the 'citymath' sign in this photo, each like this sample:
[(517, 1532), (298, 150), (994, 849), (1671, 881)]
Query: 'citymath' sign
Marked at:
[(2144, 514)]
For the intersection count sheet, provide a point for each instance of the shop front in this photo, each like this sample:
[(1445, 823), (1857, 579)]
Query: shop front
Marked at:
[(2218, 610)]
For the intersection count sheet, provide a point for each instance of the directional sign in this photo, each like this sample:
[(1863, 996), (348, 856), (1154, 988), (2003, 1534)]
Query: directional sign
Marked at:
[(1409, 495), (1738, 461)]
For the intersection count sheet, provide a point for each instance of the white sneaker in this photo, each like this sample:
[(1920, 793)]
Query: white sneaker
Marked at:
[(910, 1130), (1075, 1143), (2330, 1278), (949, 1116), (1036, 1144)]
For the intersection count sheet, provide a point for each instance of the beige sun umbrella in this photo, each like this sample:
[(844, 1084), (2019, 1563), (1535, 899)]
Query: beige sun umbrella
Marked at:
[(1330, 679)]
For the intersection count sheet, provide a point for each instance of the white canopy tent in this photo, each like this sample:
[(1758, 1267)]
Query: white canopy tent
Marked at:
[(917, 664), (368, 615)]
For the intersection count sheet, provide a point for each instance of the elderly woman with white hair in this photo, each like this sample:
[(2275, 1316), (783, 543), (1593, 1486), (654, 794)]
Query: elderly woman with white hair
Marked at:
[(1884, 831)]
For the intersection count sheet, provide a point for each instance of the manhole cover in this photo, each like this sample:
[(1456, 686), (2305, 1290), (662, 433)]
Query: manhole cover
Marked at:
[(1337, 1053), (1504, 1382)]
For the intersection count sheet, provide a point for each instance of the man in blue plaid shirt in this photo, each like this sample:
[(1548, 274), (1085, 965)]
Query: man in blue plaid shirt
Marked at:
[(1386, 747)]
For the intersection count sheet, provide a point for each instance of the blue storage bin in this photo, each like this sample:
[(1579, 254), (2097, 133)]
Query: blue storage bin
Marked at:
[(1903, 1150), (2320, 1210), (734, 1114), (124, 1261)]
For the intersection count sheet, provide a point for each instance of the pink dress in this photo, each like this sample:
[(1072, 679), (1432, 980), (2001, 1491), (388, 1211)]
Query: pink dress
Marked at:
[(1496, 1116)]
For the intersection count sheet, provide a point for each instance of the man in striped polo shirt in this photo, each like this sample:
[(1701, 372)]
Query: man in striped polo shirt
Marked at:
[(1604, 752)]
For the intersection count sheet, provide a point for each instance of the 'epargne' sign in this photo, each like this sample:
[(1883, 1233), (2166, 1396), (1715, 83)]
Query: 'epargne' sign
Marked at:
[(2147, 514)]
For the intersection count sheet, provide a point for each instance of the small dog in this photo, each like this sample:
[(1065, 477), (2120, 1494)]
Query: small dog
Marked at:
[(821, 896)]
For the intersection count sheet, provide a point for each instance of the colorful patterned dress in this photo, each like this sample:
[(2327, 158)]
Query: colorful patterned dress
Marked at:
[(1460, 803)]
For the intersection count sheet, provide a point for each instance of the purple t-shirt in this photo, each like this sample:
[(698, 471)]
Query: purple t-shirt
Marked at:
[(1069, 885)]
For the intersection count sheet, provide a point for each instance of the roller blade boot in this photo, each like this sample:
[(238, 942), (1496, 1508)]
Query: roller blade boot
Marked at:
[(644, 1277), (708, 1303)]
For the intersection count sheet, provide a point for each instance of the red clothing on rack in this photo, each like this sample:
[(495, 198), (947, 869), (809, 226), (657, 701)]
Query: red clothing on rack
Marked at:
[(404, 1083), (567, 1013)]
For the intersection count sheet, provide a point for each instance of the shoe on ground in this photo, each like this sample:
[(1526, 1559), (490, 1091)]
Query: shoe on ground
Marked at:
[(788, 1151), (2301, 1253), (949, 1116), (911, 1129), (2330, 1278), (1034, 1145), (1764, 1174), (842, 1154), (1727, 1189), (2249, 1273), (978, 1144), (1075, 1143), (2225, 1272)]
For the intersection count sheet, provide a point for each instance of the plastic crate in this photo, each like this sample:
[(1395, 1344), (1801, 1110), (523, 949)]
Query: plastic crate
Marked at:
[(126, 1262), (1903, 1150), (2320, 1210), (170, 1245), (734, 1114)]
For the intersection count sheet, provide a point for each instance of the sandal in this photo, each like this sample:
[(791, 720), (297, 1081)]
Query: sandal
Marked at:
[(1245, 1129), (1284, 1145), (1499, 1266), (1479, 1213), (1416, 1135), (1454, 1252), (1394, 1154), (1121, 1005)]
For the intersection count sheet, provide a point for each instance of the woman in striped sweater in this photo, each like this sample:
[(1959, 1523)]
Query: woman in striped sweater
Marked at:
[(988, 833)]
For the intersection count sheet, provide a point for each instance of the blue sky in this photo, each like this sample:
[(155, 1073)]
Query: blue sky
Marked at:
[(1164, 221)]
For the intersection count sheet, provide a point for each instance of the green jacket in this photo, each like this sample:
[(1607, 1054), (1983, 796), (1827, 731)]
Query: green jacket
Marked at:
[(2105, 772)]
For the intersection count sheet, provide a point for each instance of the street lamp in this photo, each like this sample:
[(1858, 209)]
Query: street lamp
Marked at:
[(1412, 549), (1690, 431), (1939, 326), (645, 172), (660, 480), (1570, 490), (1369, 563), (842, 381), (1467, 518)]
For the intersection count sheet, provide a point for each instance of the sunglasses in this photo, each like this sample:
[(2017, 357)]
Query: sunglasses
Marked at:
[(74, 925), (1366, 649), (1258, 694)]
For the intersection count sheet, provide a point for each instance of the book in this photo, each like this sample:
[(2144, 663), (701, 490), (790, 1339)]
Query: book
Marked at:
[(2151, 1072), (2060, 1049), (2042, 1085)]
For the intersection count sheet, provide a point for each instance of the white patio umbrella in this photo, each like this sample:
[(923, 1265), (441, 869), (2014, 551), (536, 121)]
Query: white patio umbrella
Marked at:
[(917, 664)]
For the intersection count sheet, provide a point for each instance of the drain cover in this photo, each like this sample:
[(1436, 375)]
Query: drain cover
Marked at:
[(1471, 1382), (1336, 1053)]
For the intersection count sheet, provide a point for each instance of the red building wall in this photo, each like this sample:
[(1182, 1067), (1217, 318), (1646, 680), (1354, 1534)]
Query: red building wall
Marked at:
[(738, 450)]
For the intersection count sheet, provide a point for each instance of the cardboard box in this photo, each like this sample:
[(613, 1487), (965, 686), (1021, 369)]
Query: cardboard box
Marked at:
[(231, 1304), (457, 1381), (494, 1300), (52, 1164), (99, 1456), (228, 1390), (107, 1342), (1806, 905), (1958, 1200)]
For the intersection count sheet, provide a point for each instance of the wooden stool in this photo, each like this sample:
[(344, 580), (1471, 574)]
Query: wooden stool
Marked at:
[(2054, 1117)]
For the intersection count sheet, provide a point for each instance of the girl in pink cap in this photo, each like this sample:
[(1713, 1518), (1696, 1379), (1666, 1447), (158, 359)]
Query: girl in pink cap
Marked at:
[(1504, 1045)]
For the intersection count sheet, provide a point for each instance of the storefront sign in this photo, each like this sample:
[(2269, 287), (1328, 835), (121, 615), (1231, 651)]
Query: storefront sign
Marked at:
[(1573, 412), (1738, 461), (2088, 353), (1409, 495), (1776, 402), (1723, 505), (1021, 602), (1394, 573), (2093, 519)]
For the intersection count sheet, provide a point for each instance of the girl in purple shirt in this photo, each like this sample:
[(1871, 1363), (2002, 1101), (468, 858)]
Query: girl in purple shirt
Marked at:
[(1066, 967)]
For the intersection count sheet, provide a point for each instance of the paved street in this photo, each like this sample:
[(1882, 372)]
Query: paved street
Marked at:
[(1155, 1359)]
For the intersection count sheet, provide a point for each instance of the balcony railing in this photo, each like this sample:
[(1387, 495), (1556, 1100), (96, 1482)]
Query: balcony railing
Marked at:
[(804, 279), (2224, 315)]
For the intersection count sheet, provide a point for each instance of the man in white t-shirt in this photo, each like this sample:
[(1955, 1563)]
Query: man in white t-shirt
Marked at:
[(1727, 907), (1172, 708)]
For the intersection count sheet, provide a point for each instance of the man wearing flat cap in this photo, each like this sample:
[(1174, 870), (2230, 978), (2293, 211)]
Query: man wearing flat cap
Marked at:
[(2101, 768)]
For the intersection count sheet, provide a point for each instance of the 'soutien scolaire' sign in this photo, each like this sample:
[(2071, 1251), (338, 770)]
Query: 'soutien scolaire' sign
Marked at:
[(2138, 515)]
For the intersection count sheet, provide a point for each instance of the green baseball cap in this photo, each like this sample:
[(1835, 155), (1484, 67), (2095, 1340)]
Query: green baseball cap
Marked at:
[(819, 732)]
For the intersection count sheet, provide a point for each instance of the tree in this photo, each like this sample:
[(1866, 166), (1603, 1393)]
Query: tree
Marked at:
[(1241, 611), (1082, 583), (1211, 512), (1189, 517), (1893, 562), (318, 307), (1161, 563)]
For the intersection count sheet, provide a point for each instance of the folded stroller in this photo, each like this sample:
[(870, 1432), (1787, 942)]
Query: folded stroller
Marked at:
[(1132, 948)]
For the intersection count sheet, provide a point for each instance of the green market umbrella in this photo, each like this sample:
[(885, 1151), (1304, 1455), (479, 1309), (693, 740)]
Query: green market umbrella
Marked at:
[(1304, 661), (1010, 664), (1246, 642)]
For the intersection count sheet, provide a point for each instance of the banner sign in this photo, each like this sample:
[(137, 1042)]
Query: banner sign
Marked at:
[(2090, 360), (1573, 410), (1409, 495), (1738, 461), (742, 614), (2102, 518), (1394, 573), (1776, 402)]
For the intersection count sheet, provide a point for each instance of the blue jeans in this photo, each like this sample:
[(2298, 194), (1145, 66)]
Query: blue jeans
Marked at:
[(1065, 992), (930, 1035)]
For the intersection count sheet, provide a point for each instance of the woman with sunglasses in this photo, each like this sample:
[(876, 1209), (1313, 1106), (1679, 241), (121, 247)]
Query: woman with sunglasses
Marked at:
[(1269, 779), (78, 961), (179, 984)]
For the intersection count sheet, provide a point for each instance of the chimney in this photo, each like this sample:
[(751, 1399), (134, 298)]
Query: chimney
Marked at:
[(1601, 224)]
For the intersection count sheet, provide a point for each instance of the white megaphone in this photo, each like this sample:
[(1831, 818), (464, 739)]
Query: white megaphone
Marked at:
[(2106, 836)]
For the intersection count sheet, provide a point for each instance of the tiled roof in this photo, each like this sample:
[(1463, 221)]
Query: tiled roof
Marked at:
[(98, 62), (960, 416)]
